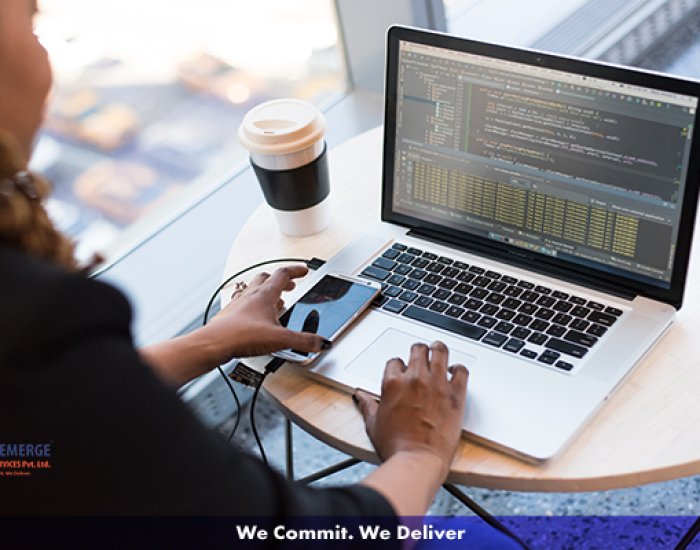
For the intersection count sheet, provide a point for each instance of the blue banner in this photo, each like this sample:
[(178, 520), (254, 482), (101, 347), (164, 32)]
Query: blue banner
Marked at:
[(423, 533)]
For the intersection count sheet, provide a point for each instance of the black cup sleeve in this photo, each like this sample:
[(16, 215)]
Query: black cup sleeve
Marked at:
[(295, 189)]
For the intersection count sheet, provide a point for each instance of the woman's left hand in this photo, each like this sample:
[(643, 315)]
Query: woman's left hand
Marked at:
[(246, 327), (249, 325)]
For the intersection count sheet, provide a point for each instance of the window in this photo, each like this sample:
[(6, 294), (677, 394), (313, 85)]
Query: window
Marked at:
[(137, 55), (658, 35), (507, 21), (149, 96)]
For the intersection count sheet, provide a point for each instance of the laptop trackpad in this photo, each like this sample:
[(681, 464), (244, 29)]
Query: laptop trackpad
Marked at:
[(369, 364)]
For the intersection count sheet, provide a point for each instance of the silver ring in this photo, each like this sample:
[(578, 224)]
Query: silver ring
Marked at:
[(239, 287)]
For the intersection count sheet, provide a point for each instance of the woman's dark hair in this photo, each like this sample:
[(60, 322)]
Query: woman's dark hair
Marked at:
[(24, 223)]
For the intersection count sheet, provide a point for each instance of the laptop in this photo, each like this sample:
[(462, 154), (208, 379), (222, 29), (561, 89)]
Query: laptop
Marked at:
[(537, 216)]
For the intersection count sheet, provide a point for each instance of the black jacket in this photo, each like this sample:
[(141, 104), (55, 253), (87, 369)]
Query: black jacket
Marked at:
[(120, 441)]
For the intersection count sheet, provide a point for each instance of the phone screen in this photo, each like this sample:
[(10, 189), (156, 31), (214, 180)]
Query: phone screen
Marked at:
[(328, 306)]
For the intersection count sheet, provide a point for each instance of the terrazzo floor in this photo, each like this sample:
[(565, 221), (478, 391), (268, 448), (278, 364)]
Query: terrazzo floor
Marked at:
[(674, 498)]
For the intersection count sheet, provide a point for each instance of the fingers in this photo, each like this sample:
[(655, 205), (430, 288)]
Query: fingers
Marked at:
[(460, 377), (283, 279), (394, 367), (418, 360), (302, 341), (393, 373), (434, 359), (439, 355), (238, 289), (241, 286), (368, 405), (258, 280)]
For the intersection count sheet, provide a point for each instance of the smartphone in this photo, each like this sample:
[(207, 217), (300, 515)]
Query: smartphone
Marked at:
[(328, 308)]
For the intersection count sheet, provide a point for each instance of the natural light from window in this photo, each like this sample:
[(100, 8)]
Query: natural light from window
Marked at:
[(149, 95)]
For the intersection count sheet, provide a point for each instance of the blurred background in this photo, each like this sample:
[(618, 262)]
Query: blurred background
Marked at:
[(149, 95)]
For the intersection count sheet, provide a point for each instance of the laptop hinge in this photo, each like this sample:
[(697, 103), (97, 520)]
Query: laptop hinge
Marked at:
[(521, 259)]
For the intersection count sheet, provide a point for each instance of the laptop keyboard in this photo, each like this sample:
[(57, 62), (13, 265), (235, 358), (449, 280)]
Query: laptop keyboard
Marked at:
[(516, 315)]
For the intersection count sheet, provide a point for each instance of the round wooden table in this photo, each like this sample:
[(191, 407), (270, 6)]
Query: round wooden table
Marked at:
[(648, 431)]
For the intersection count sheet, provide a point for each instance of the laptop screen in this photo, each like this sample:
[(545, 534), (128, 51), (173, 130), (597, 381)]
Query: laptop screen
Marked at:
[(573, 167)]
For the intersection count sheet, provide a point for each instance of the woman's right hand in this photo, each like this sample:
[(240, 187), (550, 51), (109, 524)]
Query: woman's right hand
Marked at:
[(420, 410)]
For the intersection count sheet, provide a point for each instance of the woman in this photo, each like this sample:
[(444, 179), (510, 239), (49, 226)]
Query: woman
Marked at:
[(119, 440)]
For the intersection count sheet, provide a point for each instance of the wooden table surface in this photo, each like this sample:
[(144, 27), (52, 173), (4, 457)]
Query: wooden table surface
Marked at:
[(648, 431)]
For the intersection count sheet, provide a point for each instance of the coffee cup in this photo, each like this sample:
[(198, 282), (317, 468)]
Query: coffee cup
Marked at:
[(285, 139)]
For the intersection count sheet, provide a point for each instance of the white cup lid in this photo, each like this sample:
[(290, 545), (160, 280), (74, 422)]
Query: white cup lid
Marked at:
[(281, 126)]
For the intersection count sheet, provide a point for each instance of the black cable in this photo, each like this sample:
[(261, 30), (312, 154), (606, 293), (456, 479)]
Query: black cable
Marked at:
[(689, 536), (313, 263), (206, 319), (276, 362), (235, 398), (272, 367), (246, 270), (484, 515), (252, 418)]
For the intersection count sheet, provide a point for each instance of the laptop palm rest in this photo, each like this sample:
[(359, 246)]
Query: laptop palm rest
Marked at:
[(498, 410), (392, 343)]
